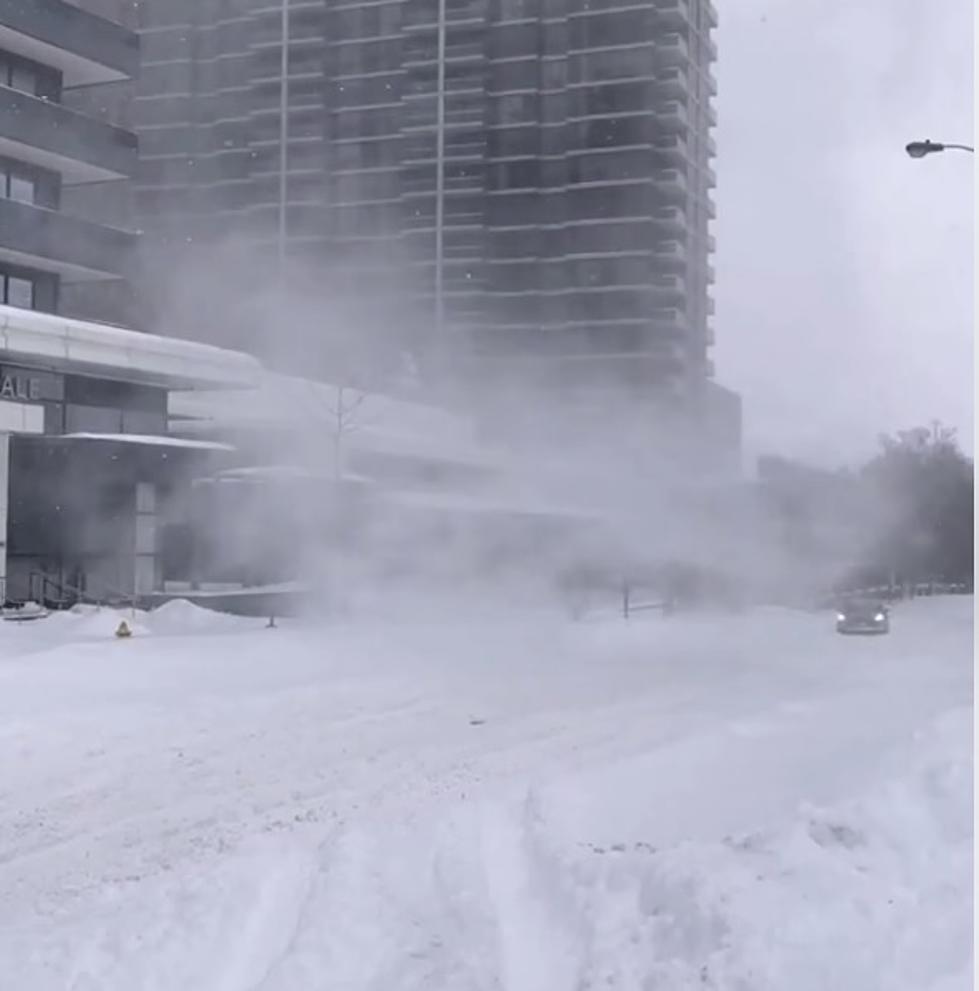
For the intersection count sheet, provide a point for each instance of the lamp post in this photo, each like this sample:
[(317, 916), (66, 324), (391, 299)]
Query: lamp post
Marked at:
[(283, 138), (919, 149)]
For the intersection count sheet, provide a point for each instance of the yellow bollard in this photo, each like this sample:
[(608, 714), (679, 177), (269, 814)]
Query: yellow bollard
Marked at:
[(123, 631)]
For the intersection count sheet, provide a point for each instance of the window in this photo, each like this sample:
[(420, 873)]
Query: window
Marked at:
[(518, 10), (92, 419), (20, 187), (29, 77), (17, 183), (145, 497), (27, 289), (517, 108), (619, 63), (516, 175), (16, 290), (17, 74), (19, 292), (554, 73), (142, 422)]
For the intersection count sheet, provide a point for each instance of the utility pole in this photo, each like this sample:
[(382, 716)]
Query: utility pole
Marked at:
[(283, 140)]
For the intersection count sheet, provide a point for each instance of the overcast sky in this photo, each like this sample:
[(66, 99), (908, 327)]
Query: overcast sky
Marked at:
[(844, 268)]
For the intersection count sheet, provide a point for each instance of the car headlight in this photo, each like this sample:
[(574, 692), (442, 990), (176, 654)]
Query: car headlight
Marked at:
[(880, 617), (841, 617)]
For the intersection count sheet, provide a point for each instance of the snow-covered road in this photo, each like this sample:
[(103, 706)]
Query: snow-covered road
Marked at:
[(523, 804)]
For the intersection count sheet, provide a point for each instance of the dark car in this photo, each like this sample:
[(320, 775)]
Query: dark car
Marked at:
[(863, 616)]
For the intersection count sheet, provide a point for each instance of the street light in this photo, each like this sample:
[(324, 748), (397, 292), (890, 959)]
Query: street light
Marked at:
[(918, 149)]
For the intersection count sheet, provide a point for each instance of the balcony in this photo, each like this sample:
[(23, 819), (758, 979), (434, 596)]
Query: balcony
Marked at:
[(711, 146), (655, 365), (86, 48), (711, 177), (671, 183), (669, 320), (711, 11), (673, 114), (75, 249), (709, 208), (711, 83), (668, 287), (710, 307), (80, 148), (710, 338), (711, 243), (711, 275), (673, 148), (674, 14), (670, 219), (670, 254), (673, 84), (672, 50)]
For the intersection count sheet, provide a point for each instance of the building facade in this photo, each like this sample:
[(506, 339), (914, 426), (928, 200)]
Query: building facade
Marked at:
[(577, 163), (52, 255), (577, 177), (90, 479)]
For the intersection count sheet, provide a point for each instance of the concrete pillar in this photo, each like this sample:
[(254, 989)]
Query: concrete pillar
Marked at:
[(145, 557), (4, 510)]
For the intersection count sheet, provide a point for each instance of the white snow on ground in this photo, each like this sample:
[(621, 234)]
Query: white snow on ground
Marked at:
[(748, 803)]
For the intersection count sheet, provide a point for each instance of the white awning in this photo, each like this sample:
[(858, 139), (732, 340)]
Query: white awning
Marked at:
[(148, 440), (44, 340)]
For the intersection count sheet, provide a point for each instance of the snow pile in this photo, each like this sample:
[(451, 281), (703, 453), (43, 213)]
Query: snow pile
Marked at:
[(872, 894), (182, 618), (749, 803)]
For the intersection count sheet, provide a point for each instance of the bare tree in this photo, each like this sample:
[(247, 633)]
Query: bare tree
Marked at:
[(345, 413)]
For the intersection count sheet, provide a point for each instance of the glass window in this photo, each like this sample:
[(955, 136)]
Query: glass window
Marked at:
[(54, 418), (142, 422), (517, 10), (554, 73), (20, 292), (23, 77), (21, 188), (145, 534), (145, 497), (517, 108), (92, 419)]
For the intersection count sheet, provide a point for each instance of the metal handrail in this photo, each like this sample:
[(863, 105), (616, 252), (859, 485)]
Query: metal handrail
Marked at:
[(77, 595)]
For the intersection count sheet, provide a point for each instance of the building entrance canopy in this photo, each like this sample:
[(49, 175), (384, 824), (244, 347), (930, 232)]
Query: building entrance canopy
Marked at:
[(44, 341)]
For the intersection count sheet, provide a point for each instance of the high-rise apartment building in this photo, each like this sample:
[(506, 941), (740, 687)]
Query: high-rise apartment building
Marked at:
[(575, 199), (208, 109), (49, 253), (577, 172)]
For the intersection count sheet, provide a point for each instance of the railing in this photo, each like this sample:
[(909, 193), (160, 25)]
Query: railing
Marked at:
[(65, 595), (909, 590), (631, 604)]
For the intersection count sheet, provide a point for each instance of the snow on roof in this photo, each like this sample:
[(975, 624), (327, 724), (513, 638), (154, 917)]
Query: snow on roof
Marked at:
[(370, 420), (260, 473), (45, 340), (470, 503), (148, 440)]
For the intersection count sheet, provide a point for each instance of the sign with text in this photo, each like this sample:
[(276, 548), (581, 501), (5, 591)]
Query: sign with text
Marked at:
[(26, 385)]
